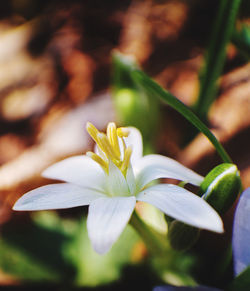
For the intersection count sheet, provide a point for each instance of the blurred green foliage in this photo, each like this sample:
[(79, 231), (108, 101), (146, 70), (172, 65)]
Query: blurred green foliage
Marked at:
[(54, 249), (241, 282), (57, 250), (215, 55), (151, 86), (241, 39), (33, 251), (134, 106)]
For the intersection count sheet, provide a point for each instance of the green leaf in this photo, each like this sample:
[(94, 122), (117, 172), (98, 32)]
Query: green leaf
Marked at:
[(148, 84), (241, 282), (122, 65), (216, 54)]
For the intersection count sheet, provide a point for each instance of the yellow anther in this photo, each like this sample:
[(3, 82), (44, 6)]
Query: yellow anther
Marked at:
[(113, 139), (123, 132), (99, 160), (106, 147), (126, 160), (110, 147), (92, 130)]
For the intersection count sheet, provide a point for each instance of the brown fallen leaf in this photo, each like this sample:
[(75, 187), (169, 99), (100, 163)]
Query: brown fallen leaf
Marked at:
[(181, 79), (136, 33), (64, 137), (27, 84), (230, 119), (15, 146), (80, 68), (168, 19), (14, 39)]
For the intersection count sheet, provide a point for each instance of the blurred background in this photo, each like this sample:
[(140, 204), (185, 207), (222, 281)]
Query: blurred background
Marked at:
[(55, 75)]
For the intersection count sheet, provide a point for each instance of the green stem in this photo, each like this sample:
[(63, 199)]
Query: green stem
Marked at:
[(216, 54), (155, 242), (224, 262), (155, 89)]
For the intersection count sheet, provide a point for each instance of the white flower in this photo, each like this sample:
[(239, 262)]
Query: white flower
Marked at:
[(111, 180)]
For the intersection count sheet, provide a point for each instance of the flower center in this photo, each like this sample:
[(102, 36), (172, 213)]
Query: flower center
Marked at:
[(111, 147)]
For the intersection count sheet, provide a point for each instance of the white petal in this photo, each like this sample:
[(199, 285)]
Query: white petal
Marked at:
[(56, 196), (106, 220), (131, 180), (116, 182), (135, 140), (153, 167), (182, 205), (79, 170)]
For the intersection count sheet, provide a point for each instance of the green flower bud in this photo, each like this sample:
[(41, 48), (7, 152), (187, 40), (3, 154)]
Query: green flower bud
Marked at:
[(125, 101), (182, 236), (221, 187)]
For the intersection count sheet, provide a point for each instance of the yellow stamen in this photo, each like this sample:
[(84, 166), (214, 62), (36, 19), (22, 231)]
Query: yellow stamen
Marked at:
[(110, 147), (99, 160), (126, 160), (106, 147), (95, 134), (113, 139), (124, 146), (93, 131), (123, 132)]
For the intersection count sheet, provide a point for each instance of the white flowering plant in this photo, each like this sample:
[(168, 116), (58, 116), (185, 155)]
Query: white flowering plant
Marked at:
[(116, 176), (112, 179)]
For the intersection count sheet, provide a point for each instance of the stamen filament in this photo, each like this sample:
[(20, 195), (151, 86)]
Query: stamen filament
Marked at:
[(113, 139), (99, 160), (106, 147), (124, 146), (126, 160)]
